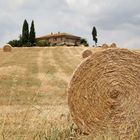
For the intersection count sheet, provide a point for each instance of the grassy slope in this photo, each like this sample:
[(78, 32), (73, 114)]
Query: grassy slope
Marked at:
[(33, 89), (33, 93)]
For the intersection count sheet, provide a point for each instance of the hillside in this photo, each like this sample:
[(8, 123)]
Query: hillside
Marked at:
[(33, 88), (33, 92)]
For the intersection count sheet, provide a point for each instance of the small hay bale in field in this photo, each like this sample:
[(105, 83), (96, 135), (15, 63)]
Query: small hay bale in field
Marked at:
[(104, 46), (7, 48), (113, 45), (86, 53), (104, 93)]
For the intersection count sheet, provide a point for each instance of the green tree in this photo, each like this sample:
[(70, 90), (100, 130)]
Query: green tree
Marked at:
[(15, 43), (84, 42), (42, 43), (25, 33), (32, 35), (94, 35)]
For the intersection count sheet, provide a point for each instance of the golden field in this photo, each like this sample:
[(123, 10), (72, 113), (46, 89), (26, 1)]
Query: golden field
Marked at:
[(33, 93)]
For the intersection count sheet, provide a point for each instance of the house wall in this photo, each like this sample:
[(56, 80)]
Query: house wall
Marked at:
[(63, 40), (70, 41)]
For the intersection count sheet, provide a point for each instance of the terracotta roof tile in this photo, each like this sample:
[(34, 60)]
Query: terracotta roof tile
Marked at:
[(57, 35)]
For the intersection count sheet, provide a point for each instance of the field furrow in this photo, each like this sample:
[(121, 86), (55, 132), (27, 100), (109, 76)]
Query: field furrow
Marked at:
[(66, 60), (33, 90)]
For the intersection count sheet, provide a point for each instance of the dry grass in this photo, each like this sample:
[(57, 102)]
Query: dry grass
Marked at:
[(33, 94), (86, 53), (104, 93)]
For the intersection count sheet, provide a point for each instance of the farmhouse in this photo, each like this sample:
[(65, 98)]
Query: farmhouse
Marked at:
[(61, 39)]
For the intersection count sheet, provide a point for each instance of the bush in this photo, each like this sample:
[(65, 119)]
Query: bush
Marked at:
[(15, 43), (84, 42), (28, 44), (42, 43)]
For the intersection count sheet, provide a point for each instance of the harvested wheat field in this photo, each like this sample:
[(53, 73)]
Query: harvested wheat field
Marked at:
[(33, 93)]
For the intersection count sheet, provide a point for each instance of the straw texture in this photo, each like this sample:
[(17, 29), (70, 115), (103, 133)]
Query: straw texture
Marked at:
[(7, 48), (104, 93), (105, 46)]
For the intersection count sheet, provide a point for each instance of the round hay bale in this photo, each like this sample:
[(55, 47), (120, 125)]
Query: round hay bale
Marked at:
[(86, 53), (7, 48), (104, 46), (113, 45), (104, 93)]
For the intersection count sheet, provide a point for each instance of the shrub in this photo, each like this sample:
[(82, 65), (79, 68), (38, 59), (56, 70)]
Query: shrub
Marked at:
[(84, 42), (15, 43), (42, 43)]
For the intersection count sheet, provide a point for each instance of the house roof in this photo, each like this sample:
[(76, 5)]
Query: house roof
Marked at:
[(58, 35)]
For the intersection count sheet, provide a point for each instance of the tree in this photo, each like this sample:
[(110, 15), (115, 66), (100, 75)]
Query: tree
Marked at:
[(32, 36), (42, 43), (15, 43), (25, 33), (84, 42), (94, 35)]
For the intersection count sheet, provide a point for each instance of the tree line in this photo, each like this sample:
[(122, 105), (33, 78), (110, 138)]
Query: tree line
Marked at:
[(27, 38)]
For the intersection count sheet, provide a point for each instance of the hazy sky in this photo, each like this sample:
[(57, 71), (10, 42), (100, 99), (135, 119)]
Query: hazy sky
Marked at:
[(116, 20)]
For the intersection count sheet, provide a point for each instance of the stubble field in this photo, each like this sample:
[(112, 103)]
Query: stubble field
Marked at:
[(33, 93)]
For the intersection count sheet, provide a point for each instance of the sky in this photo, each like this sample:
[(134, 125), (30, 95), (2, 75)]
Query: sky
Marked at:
[(115, 20)]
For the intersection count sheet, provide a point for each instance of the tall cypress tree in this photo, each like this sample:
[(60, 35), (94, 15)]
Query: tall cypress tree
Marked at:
[(25, 33), (32, 35), (94, 35)]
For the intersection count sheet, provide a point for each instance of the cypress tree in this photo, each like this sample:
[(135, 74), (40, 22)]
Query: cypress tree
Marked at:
[(32, 35), (94, 35), (25, 33)]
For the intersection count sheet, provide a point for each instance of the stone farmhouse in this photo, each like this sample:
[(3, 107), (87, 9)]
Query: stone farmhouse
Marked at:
[(61, 39)]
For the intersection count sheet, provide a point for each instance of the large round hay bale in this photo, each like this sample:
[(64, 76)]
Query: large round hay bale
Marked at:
[(86, 53), (7, 48), (104, 93)]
